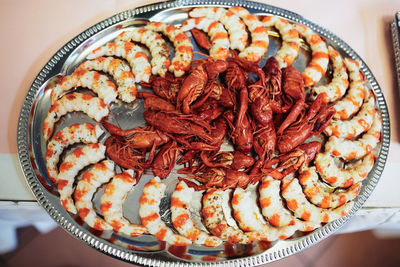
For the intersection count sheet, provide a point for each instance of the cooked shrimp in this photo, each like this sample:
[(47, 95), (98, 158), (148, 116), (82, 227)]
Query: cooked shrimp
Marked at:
[(216, 223), (217, 33), (119, 70), (91, 180), (342, 177), (183, 46), (237, 29), (290, 47), (340, 80), (94, 107), (112, 200), (180, 216), (76, 133), (355, 126), (249, 218), (353, 100), (69, 168), (356, 149), (273, 209), (149, 212), (317, 193), (259, 35), (297, 202), (155, 43), (134, 54), (318, 65), (98, 83)]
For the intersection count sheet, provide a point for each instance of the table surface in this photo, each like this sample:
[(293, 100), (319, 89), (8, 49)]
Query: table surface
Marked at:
[(32, 31)]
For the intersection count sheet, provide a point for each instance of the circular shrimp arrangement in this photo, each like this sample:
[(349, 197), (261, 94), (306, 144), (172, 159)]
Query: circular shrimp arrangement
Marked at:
[(245, 154)]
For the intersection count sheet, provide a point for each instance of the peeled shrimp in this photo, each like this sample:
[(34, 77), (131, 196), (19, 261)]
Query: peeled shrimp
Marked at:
[(237, 29), (155, 43), (360, 123), (183, 46), (133, 53), (249, 218), (354, 98), (340, 80), (215, 221), (98, 83), (112, 200), (94, 107), (180, 216), (316, 192), (217, 33), (69, 168), (290, 47), (76, 133), (316, 69), (342, 177), (91, 180), (259, 35), (273, 209), (120, 71), (297, 202), (356, 149), (149, 211)]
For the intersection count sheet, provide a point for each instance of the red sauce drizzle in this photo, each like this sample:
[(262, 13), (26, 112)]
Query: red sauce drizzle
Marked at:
[(180, 252), (161, 244)]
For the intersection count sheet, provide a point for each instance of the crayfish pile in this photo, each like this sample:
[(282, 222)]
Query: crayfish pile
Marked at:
[(263, 112)]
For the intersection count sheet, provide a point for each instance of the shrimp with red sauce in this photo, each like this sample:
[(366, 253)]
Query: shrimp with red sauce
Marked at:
[(336, 176), (249, 218), (356, 149), (111, 203), (318, 65), (297, 202), (218, 35), (180, 216), (149, 212), (134, 54), (154, 42), (273, 208), (340, 80), (290, 47), (216, 223), (316, 191), (236, 27), (92, 106), (98, 83), (352, 101), (183, 46), (69, 168), (91, 180), (75, 133), (259, 35), (119, 70)]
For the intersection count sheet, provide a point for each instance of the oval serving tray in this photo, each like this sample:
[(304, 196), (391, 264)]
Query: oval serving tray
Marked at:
[(146, 250)]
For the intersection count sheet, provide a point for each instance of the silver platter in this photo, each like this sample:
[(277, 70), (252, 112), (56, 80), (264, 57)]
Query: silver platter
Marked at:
[(146, 250)]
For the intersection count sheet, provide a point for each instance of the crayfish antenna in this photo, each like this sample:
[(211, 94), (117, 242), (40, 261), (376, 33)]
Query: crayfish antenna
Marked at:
[(201, 54)]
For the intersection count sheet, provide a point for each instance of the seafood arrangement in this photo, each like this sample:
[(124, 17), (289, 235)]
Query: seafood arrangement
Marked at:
[(273, 151)]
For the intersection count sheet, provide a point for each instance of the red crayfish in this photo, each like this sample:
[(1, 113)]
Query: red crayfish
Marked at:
[(261, 110)]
